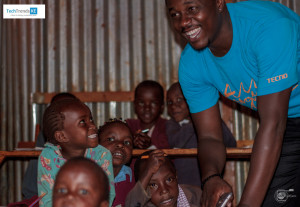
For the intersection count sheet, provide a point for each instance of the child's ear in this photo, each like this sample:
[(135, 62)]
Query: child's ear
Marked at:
[(60, 137)]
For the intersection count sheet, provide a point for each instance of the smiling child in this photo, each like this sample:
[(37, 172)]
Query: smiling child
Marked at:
[(70, 131), (157, 184), (116, 136)]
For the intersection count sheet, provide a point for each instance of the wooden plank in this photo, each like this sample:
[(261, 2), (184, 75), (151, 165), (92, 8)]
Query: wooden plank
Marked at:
[(97, 96), (235, 153), (244, 143), (232, 153)]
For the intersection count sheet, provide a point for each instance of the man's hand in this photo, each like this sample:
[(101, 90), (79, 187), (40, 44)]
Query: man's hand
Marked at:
[(213, 189)]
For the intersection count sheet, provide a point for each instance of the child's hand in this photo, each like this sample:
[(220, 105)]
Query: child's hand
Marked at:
[(141, 140), (155, 160)]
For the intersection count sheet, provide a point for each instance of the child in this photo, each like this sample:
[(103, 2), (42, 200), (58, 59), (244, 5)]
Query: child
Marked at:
[(116, 136), (81, 182), (148, 106), (70, 131), (28, 189), (181, 134), (157, 184)]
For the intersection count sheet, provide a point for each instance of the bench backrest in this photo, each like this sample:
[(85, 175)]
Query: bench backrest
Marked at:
[(103, 96)]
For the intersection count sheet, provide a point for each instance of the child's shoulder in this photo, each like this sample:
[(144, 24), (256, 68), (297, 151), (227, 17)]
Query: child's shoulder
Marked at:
[(99, 154), (193, 193), (99, 149), (51, 149)]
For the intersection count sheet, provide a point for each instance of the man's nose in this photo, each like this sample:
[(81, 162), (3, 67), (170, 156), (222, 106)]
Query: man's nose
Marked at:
[(185, 20)]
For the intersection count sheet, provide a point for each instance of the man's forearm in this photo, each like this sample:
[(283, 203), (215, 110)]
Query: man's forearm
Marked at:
[(264, 159), (212, 157)]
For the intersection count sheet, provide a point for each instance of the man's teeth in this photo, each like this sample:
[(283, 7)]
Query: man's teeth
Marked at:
[(193, 32), (92, 136)]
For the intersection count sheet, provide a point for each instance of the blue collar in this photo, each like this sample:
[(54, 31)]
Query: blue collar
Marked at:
[(122, 174)]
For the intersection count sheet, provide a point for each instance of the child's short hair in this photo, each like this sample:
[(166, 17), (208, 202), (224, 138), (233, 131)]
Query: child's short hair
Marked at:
[(111, 122), (62, 95), (175, 86), (94, 168), (139, 161), (152, 84), (53, 119)]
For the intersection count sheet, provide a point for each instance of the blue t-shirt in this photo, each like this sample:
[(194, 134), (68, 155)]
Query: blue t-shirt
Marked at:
[(264, 58)]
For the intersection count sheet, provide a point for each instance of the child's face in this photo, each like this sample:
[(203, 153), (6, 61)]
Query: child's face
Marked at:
[(148, 105), (79, 127), (78, 186), (118, 140), (163, 187), (176, 104)]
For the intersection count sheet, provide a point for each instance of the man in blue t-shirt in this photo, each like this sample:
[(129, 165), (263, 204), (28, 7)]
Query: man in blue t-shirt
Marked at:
[(250, 52)]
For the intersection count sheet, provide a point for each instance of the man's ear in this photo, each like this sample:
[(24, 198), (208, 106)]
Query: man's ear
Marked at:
[(60, 137)]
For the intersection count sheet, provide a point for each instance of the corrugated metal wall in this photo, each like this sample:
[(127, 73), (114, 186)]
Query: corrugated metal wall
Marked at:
[(89, 45)]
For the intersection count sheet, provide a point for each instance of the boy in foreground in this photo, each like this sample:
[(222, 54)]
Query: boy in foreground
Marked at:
[(81, 182), (157, 184)]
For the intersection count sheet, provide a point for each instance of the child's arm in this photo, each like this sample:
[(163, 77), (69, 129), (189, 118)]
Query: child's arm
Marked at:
[(103, 157), (137, 197), (45, 179), (156, 158)]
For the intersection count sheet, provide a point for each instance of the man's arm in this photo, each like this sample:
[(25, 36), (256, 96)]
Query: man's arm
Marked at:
[(211, 154), (272, 110)]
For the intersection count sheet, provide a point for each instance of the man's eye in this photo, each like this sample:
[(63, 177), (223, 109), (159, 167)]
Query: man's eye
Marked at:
[(174, 14), (62, 190), (82, 121), (152, 186), (83, 192), (193, 10)]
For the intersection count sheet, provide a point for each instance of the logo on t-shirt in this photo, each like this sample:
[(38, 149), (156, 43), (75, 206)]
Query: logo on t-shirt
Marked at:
[(245, 96), (277, 78)]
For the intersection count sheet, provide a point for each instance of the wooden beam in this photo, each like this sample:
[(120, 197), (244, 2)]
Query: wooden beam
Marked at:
[(235, 153), (96, 96)]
